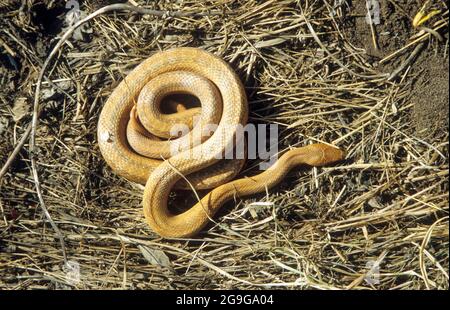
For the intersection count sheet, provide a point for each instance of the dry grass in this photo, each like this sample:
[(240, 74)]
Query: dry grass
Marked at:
[(388, 202)]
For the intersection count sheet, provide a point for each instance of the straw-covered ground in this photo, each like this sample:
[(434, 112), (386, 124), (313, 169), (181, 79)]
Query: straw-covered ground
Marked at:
[(318, 69)]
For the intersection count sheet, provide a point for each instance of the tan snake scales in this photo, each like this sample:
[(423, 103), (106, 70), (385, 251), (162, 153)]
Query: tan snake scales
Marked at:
[(131, 128)]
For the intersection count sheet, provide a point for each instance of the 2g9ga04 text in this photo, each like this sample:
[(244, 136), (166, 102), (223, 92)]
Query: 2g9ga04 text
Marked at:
[(246, 299)]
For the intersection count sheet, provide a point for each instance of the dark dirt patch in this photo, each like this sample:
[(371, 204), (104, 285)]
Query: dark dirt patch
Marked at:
[(430, 90), (392, 33), (28, 34), (430, 97)]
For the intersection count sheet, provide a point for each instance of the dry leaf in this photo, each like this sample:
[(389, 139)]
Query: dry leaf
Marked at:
[(20, 108), (155, 257)]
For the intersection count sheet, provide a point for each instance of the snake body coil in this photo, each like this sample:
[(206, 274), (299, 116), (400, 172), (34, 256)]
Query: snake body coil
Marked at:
[(132, 129)]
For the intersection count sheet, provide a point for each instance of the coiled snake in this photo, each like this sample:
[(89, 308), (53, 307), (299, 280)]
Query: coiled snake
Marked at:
[(131, 128)]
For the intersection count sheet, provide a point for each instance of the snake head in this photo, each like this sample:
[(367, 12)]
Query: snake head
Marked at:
[(322, 154)]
